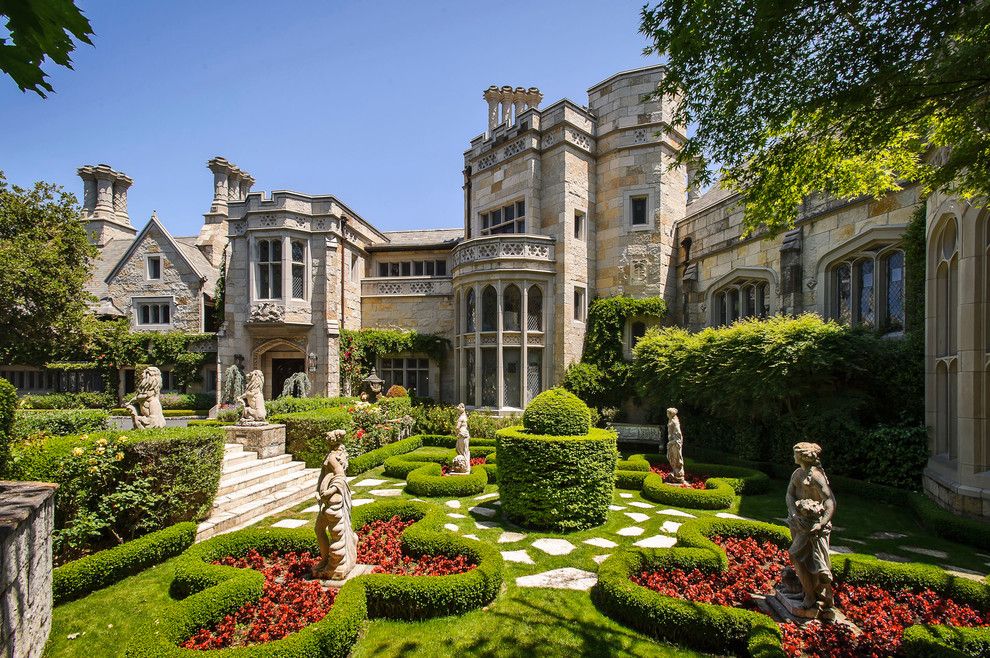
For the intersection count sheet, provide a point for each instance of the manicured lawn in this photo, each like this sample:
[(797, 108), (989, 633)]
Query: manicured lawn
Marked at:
[(522, 621)]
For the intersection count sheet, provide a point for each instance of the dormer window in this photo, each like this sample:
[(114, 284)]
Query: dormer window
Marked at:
[(154, 269)]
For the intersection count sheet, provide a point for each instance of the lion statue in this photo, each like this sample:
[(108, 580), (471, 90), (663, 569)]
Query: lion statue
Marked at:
[(146, 405), (254, 399)]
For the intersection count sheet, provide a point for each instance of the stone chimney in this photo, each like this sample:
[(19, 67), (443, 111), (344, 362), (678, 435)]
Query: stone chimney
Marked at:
[(105, 203), (230, 185), (506, 105)]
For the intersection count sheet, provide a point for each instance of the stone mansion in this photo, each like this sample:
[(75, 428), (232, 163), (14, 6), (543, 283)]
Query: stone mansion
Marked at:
[(562, 204)]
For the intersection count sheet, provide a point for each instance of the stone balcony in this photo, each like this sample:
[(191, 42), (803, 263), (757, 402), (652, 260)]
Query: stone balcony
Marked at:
[(407, 286), (499, 252)]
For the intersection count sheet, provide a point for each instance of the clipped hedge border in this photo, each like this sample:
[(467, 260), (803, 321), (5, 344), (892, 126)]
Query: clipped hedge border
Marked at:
[(723, 484), (400, 466), (167, 413), (377, 457), (92, 572), (428, 480), (446, 441), (721, 629), (210, 591)]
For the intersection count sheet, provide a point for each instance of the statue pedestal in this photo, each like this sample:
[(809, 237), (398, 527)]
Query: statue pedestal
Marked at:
[(358, 570), (265, 439)]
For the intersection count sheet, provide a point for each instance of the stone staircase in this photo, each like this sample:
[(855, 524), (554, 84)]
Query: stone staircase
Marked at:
[(253, 488)]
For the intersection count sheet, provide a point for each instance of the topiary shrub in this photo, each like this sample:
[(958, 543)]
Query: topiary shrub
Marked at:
[(559, 483), (557, 412), (8, 400), (306, 433), (396, 391)]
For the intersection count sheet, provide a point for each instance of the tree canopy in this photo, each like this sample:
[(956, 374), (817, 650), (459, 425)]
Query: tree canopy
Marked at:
[(38, 29), (44, 265), (842, 97)]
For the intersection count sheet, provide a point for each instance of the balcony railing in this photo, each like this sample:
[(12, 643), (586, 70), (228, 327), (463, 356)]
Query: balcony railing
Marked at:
[(411, 285), (493, 247)]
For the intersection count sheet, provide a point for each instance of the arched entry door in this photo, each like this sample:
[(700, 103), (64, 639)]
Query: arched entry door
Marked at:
[(278, 359)]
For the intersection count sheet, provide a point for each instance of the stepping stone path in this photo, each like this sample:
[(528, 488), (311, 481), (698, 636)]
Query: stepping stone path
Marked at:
[(566, 578), (312, 509), (486, 525), (839, 550), (601, 542), (482, 511), (358, 502), (677, 512), (625, 495), (631, 531), (511, 537), (554, 546), (963, 573), (728, 515), (289, 523), (487, 496), (369, 483), (890, 557), (670, 526), (638, 517), (474, 537), (636, 503), (616, 508), (887, 535), (455, 515), (451, 527), (417, 500), (455, 504), (601, 558), (660, 541), (925, 551), (385, 492), (517, 556)]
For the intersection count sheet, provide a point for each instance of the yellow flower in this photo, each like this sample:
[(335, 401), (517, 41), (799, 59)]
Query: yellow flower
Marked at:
[(101, 442), (119, 456), (93, 469), (84, 437), (77, 452), (100, 450), (121, 439)]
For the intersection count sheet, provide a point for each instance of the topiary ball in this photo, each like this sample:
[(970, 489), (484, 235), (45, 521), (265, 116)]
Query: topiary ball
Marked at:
[(557, 412)]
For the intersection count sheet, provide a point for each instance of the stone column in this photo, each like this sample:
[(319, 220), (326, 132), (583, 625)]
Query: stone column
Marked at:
[(104, 193), (221, 170), (499, 372), (491, 95), (477, 344), (507, 92), (233, 186), (120, 187), (533, 97), (246, 183), (519, 102), (524, 344), (89, 189)]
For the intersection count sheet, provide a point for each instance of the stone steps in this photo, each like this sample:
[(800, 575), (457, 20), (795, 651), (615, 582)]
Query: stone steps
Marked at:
[(252, 488)]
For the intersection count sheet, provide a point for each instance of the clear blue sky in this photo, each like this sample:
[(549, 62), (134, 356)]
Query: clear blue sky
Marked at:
[(374, 102)]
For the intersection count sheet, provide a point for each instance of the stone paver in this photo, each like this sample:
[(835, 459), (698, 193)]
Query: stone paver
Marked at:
[(625, 495), (451, 527), (517, 556), (670, 526), (566, 578), (474, 537), (677, 512), (631, 531), (358, 502), (601, 542), (839, 550), (659, 541), (616, 508), (601, 558), (930, 552), (487, 496), (638, 517), (312, 509), (486, 525), (289, 523), (511, 537), (963, 573), (636, 503), (729, 515), (482, 511), (554, 546), (371, 482), (455, 515), (890, 557), (455, 504), (883, 534), (386, 492)]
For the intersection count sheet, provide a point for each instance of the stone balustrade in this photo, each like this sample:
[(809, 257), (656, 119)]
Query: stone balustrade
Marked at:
[(406, 286), (537, 248)]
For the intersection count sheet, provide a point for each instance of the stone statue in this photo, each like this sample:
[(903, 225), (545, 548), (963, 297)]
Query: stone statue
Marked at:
[(675, 446), (338, 551), (462, 462), (254, 412), (810, 507), (146, 405)]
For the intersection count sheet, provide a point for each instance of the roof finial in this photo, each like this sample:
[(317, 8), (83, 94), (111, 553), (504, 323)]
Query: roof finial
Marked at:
[(154, 215)]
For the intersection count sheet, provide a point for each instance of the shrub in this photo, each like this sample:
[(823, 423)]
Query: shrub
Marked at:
[(436, 419), (556, 412), (81, 400), (395, 407), (306, 433), (374, 458), (722, 486), (396, 391), (196, 401), (402, 465), (557, 483), (288, 405), (585, 380), (486, 426), (428, 481), (8, 399), (88, 574), (117, 484), (60, 422)]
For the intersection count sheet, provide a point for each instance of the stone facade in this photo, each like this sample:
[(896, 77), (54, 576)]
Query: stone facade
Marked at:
[(27, 519)]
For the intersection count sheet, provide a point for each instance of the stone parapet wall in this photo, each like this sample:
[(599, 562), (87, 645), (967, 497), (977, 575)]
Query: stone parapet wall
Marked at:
[(27, 517), (956, 497)]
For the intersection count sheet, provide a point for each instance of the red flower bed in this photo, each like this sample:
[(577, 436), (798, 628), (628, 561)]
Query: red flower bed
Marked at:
[(291, 599), (754, 567), (692, 481), (289, 602), (475, 461)]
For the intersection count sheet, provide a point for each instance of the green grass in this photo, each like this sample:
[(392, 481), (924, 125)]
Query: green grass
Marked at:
[(521, 621)]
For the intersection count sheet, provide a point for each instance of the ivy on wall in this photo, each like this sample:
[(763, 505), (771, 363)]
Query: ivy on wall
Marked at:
[(914, 270), (603, 377), (360, 349)]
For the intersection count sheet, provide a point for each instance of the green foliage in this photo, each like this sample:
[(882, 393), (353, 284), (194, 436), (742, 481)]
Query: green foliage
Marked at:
[(914, 242), (292, 405), (945, 642), (402, 465), (37, 30), (756, 387), (375, 458), (360, 350), (558, 483), (396, 391), (602, 378), (88, 574), (187, 401), (59, 422), (723, 483), (186, 368), (441, 418), (81, 400), (557, 412), (778, 93), (220, 291), (46, 257), (232, 387), (306, 433), (296, 386), (395, 407), (427, 480), (115, 485), (8, 400)]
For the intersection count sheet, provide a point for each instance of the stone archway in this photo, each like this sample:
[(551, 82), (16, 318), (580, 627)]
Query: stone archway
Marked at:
[(278, 359)]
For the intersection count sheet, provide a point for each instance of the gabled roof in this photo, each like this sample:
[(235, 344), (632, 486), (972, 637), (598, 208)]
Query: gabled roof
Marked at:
[(196, 267)]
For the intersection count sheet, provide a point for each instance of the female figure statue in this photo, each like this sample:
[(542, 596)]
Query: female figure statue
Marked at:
[(146, 405), (675, 445), (338, 552), (254, 399), (810, 506), (462, 463)]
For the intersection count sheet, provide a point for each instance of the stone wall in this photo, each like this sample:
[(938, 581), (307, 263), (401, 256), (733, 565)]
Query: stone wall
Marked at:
[(27, 517)]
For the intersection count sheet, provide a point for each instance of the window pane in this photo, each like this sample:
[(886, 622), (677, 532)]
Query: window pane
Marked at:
[(484, 220), (297, 281), (166, 314), (842, 280), (750, 301), (382, 269), (264, 282), (510, 213), (520, 227), (489, 377), (534, 309), (534, 374), (894, 311), (423, 383), (418, 268), (441, 268), (469, 377), (276, 250), (638, 331), (145, 314), (511, 377), (512, 303), (639, 210), (298, 250), (276, 281), (471, 311), (406, 268), (865, 290), (520, 208), (154, 268), (489, 309), (429, 268), (262, 251), (733, 297)]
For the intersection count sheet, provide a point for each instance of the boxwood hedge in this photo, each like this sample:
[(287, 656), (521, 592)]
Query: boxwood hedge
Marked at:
[(59, 422), (209, 591), (306, 432), (557, 412), (88, 574), (379, 456), (427, 480), (559, 483), (723, 484)]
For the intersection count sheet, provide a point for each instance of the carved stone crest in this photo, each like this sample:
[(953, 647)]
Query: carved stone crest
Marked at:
[(267, 312)]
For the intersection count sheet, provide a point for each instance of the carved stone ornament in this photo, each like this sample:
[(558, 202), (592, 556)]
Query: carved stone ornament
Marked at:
[(254, 412), (267, 312), (146, 405)]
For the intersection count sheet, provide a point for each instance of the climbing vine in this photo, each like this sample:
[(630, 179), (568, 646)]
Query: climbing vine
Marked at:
[(361, 348)]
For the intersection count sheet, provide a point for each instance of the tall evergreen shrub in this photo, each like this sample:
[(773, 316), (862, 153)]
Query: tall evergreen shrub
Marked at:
[(8, 400)]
